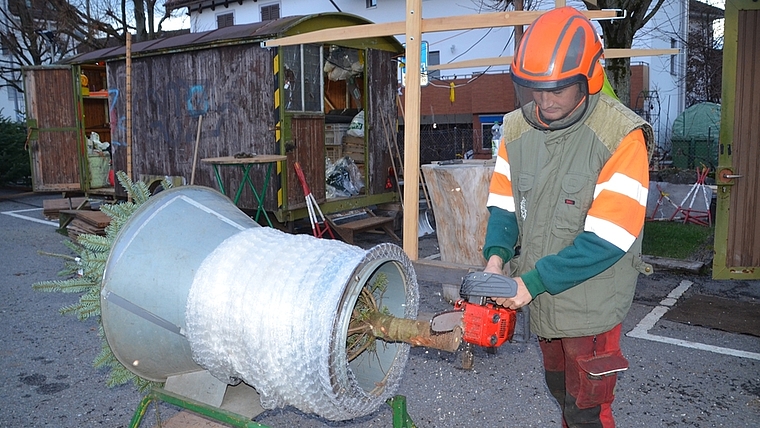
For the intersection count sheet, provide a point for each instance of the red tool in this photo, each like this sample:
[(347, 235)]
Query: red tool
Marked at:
[(483, 323), (487, 325), (318, 228)]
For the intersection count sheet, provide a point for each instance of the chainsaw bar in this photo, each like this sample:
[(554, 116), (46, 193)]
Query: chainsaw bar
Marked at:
[(446, 321)]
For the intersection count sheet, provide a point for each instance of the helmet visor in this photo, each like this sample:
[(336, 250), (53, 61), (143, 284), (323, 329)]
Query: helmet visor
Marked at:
[(555, 108)]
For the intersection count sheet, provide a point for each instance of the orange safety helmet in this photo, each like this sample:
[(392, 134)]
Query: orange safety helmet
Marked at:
[(560, 48)]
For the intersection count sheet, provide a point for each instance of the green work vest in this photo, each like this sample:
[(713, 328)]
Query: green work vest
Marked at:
[(549, 170)]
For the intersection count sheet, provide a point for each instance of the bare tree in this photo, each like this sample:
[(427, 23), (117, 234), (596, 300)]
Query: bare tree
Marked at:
[(50, 30), (619, 33), (504, 5), (31, 36), (704, 65)]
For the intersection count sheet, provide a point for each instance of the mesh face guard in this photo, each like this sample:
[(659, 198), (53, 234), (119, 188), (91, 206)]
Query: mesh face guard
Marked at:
[(551, 110)]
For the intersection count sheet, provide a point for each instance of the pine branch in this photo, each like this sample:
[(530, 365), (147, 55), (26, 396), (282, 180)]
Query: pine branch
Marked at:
[(95, 243), (73, 285), (87, 269)]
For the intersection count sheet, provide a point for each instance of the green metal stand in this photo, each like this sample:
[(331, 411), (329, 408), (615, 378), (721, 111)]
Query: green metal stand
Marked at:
[(215, 413), (259, 196), (401, 418)]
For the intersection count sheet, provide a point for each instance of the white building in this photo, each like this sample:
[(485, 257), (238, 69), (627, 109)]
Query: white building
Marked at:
[(660, 104), (11, 100)]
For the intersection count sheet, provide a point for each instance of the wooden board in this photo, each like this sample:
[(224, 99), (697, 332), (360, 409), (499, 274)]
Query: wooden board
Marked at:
[(93, 218), (347, 230), (51, 207)]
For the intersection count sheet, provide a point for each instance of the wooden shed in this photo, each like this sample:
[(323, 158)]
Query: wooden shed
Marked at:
[(737, 234), (240, 98)]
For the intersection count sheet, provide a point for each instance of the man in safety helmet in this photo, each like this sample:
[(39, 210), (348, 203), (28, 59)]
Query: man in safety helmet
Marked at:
[(569, 189)]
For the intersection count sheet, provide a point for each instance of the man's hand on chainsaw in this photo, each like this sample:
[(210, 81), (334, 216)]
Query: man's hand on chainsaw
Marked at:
[(522, 298)]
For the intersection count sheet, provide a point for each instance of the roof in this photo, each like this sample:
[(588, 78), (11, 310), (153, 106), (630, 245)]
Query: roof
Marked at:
[(170, 5), (238, 34)]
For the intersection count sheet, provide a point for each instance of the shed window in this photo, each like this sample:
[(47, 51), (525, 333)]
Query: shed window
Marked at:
[(225, 20), (371, 3), (270, 12), (302, 78)]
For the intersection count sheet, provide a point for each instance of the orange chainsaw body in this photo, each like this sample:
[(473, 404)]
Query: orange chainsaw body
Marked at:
[(486, 325)]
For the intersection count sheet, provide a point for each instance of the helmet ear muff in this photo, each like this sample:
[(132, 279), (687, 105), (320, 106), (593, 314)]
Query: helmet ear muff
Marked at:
[(596, 81)]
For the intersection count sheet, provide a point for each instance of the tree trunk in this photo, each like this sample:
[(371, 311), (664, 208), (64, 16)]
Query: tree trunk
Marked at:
[(619, 73), (140, 31), (620, 36), (416, 333)]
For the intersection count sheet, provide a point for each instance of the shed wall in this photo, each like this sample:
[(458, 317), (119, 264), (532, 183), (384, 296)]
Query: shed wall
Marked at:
[(231, 87), (382, 115)]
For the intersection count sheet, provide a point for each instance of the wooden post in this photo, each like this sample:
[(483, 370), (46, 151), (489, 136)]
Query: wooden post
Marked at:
[(412, 127), (128, 105), (195, 150)]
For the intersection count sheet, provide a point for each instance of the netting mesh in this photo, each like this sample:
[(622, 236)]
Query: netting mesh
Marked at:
[(263, 309)]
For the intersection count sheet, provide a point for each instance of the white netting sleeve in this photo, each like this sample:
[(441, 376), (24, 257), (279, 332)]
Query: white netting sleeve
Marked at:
[(262, 309)]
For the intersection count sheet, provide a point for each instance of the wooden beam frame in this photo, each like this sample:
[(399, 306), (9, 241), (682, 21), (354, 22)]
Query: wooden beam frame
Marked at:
[(412, 28), (429, 25), (507, 60), (412, 128)]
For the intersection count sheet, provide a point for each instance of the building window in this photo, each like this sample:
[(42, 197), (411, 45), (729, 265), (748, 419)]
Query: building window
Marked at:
[(434, 58), (12, 93), (270, 12), (673, 59), (225, 20), (371, 3)]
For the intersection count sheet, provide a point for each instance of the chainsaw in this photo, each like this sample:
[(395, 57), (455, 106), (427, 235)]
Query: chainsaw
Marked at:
[(483, 322)]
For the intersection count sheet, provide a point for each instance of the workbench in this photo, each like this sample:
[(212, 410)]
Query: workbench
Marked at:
[(245, 163)]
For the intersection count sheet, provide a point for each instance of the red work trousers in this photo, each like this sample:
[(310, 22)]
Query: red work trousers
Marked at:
[(585, 399)]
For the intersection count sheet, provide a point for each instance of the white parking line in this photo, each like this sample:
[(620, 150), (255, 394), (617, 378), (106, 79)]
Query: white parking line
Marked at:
[(641, 331), (36, 220)]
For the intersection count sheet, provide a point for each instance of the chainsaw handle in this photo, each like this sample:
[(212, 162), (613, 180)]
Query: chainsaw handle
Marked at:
[(484, 284)]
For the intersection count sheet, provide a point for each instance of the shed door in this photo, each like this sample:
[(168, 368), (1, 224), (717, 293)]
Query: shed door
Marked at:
[(737, 234), (54, 143), (308, 149)]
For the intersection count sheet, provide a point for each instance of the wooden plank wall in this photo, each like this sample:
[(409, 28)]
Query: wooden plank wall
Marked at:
[(231, 87), (743, 248), (381, 116), (55, 154)]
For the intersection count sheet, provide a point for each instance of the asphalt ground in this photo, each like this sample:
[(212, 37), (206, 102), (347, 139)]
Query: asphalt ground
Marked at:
[(680, 375)]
